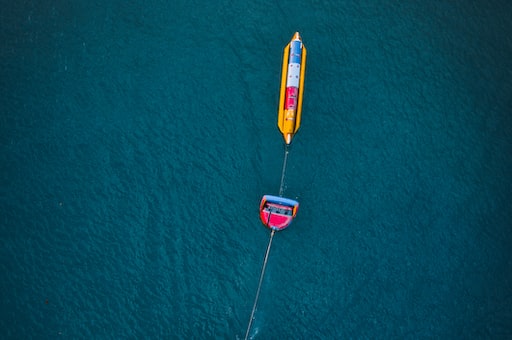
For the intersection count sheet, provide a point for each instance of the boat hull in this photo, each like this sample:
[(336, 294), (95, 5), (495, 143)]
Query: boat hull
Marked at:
[(276, 212)]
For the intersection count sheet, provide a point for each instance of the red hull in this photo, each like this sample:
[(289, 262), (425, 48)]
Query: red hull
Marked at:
[(277, 212)]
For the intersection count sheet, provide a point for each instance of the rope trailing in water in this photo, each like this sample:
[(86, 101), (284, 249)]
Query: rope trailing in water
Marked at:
[(259, 284), (283, 172)]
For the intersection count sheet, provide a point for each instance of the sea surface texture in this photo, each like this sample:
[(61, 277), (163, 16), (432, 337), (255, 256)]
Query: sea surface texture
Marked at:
[(138, 137)]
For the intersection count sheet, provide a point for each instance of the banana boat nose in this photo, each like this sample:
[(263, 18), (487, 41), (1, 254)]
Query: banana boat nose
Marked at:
[(296, 36)]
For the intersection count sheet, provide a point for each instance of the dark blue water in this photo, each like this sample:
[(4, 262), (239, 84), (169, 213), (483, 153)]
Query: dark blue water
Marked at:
[(138, 138)]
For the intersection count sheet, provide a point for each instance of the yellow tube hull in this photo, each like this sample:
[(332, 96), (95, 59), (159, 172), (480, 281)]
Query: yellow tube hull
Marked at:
[(288, 121)]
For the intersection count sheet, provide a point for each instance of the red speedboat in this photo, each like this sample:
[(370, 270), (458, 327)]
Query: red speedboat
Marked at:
[(277, 212)]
